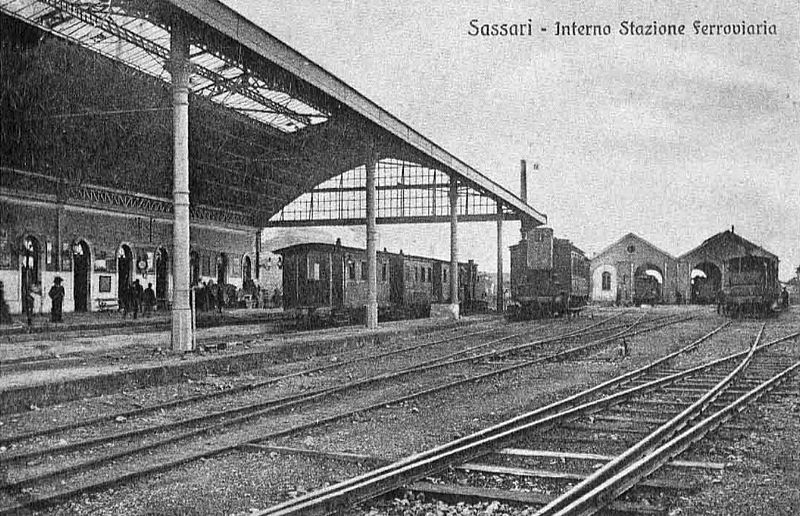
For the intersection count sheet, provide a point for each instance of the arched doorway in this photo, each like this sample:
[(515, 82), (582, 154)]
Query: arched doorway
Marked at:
[(247, 269), (222, 269), (81, 258), (124, 266), (194, 268), (706, 282), (648, 285), (162, 277), (29, 256)]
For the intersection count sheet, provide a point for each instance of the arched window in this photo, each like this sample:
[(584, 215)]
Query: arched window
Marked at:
[(606, 281)]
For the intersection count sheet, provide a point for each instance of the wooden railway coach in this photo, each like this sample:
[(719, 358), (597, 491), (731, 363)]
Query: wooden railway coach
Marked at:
[(549, 276), (320, 276)]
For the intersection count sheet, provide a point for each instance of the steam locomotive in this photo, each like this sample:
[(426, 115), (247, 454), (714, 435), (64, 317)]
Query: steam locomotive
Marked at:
[(549, 276), (750, 286)]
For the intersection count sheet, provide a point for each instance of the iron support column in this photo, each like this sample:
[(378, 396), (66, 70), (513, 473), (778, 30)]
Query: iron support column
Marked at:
[(454, 246), (181, 309), (500, 298), (372, 254)]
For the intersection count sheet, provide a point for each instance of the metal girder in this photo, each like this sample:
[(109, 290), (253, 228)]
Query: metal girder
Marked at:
[(282, 92), (407, 193), (240, 84)]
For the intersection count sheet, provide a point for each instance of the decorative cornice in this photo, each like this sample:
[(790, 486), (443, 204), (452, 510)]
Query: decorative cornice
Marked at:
[(50, 189)]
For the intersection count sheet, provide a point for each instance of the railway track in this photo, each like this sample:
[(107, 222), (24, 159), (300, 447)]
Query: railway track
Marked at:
[(622, 412), (31, 363), (40, 483)]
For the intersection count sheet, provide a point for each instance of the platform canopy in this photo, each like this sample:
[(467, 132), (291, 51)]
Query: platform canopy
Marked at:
[(271, 125)]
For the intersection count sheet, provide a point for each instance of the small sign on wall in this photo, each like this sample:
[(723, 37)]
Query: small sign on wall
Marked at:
[(105, 283)]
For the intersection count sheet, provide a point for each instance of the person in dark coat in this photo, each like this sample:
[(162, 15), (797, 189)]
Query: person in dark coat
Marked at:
[(148, 300), (5, 313), (136, 294), (27, 304), (124, 300), (57, 297)]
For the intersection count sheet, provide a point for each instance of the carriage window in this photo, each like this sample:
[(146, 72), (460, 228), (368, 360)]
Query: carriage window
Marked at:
[(445, 275), (313, 271), (384, 272), (416, 273), (606, 281), (423, 274), (351, 270), (430, 275), (363, 270)]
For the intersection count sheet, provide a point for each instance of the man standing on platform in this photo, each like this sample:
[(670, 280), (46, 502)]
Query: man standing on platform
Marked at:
[(136, 293), (57, 297), (148, 300)]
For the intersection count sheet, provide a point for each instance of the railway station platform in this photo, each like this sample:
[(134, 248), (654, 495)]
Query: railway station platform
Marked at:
[(86, 358)]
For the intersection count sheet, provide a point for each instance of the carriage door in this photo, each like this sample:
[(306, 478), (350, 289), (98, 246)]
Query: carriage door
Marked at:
[(30, 267)]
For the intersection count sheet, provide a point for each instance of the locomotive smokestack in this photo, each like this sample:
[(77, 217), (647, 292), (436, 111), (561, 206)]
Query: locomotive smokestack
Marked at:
[(523, 181)]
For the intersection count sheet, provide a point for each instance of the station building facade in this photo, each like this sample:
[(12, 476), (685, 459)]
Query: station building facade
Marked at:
[(97, 249)]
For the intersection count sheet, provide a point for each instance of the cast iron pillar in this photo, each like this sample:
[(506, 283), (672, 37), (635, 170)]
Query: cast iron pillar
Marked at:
[(181, 309), (372, 254), (454, 246), (500, 298)]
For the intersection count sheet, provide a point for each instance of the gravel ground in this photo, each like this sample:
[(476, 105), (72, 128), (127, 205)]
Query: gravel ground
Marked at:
[(235, 482)]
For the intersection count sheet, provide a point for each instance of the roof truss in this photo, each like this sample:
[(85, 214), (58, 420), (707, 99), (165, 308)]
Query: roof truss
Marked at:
[(406, 193)]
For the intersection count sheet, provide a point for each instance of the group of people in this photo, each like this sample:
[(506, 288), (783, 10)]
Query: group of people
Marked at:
[(134, 299)]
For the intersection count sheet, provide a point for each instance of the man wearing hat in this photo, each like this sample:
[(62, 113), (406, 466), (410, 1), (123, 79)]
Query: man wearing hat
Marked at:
[(57, 296)]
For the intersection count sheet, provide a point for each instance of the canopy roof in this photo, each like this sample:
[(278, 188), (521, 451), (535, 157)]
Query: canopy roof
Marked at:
[(281, 124)]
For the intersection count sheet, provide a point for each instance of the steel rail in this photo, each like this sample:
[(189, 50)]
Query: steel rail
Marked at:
[(651, 441), (167, 465), (393, 476), (235, 390), (625, 479), (245, 412)]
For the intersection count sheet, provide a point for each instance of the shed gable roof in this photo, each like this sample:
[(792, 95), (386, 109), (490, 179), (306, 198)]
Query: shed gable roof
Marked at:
[(728, 239), (637, 238)]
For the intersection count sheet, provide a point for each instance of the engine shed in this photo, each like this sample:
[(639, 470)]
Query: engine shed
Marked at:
[(634, 271), (706, 268)]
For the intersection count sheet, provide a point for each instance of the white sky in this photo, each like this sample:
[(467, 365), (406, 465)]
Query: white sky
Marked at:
[(674, 139)]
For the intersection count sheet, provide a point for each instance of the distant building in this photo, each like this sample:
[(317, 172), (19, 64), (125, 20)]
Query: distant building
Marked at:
[(702, 270), (633, 271)]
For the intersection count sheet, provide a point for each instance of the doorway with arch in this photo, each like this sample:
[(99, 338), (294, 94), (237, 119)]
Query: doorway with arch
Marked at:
[(162, 277), (124, 270), (81, 279)]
